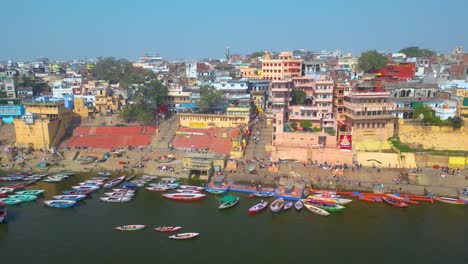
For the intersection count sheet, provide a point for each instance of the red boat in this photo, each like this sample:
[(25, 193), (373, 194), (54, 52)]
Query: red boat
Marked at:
[(3, 212), (395, 201), (258, 207), (166, 229), (184, 196)]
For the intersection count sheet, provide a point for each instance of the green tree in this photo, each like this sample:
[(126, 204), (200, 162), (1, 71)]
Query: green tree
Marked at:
[(210, 98), (137, 112), (306, 124), (257, 54), (426, 115), (293, 125), (371, 60), (152, 92), (298, 97), (110, 68), (417, 52)]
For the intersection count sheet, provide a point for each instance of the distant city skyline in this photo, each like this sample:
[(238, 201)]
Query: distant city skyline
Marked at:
[(63, 30)]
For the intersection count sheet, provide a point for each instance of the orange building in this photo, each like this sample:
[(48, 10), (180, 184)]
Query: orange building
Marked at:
[(283, 68)]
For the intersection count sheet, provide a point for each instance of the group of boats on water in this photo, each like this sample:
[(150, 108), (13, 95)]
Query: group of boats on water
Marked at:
[(162, 229)]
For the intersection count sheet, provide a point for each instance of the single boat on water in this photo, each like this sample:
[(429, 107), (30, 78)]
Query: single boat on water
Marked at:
[(123, 190), (31, 192), (228, 201), (60, 203), (71, 197), (23, 197), (157, 189), (184, 196), (119, 194), (316, 210), (167, 229), (298, 205), (258, 207), (51, 179), (104, 173), (130, 227), (395, 201), (184, 236), (3, 212), (187, 191), (112, 199), (191, 187), (10, 201), (338, 200), (114, 182), (264, 194), (287, 205), (89, 188), (277, 205), (215, 191), (76, 192), (91, 183), (450, 200)]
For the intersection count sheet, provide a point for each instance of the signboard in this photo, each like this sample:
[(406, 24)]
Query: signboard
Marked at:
[(197, 124), (345, 142), (10, 110)]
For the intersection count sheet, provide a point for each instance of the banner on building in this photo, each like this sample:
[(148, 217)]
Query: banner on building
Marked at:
[(345, 142)]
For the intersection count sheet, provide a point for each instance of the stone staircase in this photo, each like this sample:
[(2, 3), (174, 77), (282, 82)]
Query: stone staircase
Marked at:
[(167, 129), (258, 150)]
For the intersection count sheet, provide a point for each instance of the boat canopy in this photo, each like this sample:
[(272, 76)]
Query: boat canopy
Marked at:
[(228, 198)]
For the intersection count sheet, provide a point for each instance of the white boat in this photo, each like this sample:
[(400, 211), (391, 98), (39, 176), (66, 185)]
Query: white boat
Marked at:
[(91, 183), (277, 205), (81, 187), (114, 182), (119, 194), (52, 179), (337, 199), (60, 203), (72, 197), (187, 191), (104, 173), (287, 205), (157, 189), (191, 187), (184, 236), (298, 205), (115, 199), (316, 210)]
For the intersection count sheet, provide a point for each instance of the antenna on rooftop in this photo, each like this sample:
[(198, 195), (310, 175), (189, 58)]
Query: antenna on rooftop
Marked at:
[(228, 53)]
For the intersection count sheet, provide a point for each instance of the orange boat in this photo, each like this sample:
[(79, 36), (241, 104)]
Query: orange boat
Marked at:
[(395, 201)]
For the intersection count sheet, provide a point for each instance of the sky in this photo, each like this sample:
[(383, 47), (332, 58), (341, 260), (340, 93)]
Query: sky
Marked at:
[(178, 29)]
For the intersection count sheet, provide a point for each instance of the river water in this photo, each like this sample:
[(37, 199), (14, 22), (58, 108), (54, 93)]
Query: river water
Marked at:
[(362, 233)]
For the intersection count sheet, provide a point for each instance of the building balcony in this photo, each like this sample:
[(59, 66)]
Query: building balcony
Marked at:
[(281, 89), (328, 91), (304, 117), (370, 117), (370, 106), (369, 95)]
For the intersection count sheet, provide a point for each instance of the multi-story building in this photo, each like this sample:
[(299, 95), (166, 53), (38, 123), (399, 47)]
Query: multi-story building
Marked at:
[(370, 114), (248, 72), (259, 93), (280, 95), (305, 84), (8, 85), (285, 67), (340, 89), (44, 124), (10, 108), (176, 97), (323, 99)]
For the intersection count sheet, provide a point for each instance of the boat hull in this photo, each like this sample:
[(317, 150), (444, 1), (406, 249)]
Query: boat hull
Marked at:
[(316, 210), (183, 236), (130, 228), (258, 208), (168, 229), (184, 196), (449, 200), (229, 204)]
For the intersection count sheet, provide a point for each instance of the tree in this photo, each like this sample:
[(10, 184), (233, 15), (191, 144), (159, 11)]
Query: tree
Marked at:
[(152, 92), (298, 97), (457, 122), (371, 60), (426, 115), (293, 125), (110, 68), (137, 112), (306, 124), (257, 54), (417, 52), (210, 98)]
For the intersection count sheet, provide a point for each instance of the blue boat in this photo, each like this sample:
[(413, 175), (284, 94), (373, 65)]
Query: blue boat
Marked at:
[(70, 197), (129, 185), (60, 203), (215, 191)]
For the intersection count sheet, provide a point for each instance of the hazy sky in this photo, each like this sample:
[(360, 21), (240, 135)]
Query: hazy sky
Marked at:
[(177, 29)]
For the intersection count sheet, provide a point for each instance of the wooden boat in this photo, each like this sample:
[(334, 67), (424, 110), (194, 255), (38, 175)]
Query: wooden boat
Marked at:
[(7, 190), (325, 204), (119, 194), (228, 201), (277, 205), (77, 197), (184, 196), (149, 177), (60, 203), (10, 201), (316, 210), (89, 188), (3, 193), (184, 236), (13, 177), (23, 197), (449, 200), (298, 205), (76, 192), (215, 191), (395, 201), (3, 212), (287, 205), (115, 199), (114, 182), (167, 229), (191, 187), (264, 194), (130, 227), (51, 179), (129, 185), (338, 200), (258, 207), (91, 183), (187, 191), (31, 192), (123, 190), (157, 189)]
